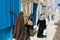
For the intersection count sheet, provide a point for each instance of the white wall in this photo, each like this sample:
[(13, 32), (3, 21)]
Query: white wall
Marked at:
[(57, 15)]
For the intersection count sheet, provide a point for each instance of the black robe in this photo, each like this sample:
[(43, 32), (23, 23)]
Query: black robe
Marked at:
[(42, 26)]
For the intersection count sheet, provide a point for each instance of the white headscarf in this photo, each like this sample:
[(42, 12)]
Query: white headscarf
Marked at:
[(42, 17)]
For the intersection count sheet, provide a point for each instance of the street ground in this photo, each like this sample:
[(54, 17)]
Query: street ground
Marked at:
[(52, 32), (51, 29)]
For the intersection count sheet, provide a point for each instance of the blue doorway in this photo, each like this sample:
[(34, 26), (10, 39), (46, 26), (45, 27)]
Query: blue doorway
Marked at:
[(34, 12)]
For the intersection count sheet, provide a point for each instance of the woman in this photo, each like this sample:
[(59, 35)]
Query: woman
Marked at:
[(42, 25), (29, 24), (19, 28)]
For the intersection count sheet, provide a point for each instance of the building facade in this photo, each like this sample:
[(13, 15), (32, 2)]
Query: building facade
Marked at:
[(43, 6)]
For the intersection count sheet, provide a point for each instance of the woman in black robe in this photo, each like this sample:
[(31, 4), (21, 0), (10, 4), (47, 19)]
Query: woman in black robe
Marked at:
[(42, 25)]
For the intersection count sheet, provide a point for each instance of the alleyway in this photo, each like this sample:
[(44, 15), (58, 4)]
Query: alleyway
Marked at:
[(53, 32), (49, 9), (51, 29)]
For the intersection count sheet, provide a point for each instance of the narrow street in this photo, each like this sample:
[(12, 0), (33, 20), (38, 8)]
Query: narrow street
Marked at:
[(53, 32), (51, 29), (19, 17)]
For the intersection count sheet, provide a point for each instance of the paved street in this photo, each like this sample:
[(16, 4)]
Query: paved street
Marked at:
[(51, 29), (57, 33), (53, 32)]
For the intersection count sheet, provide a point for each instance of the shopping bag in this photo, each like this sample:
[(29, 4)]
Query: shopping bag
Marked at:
[(45, 32), (32, 32)]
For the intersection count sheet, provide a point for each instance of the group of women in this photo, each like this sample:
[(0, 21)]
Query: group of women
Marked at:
[(19, 28)]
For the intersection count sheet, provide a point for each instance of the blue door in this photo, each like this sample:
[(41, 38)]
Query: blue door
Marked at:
[(9, 10), (14, 9), (34, 12)]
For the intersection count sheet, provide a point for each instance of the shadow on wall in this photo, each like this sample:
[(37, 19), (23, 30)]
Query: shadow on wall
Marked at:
[(57, 34)]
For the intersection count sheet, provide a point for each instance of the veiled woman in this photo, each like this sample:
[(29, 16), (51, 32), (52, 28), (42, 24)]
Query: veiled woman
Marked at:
[(42, 25), (19, 28)]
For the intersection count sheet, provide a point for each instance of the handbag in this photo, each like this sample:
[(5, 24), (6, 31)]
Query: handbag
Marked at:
[(33, 32)]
